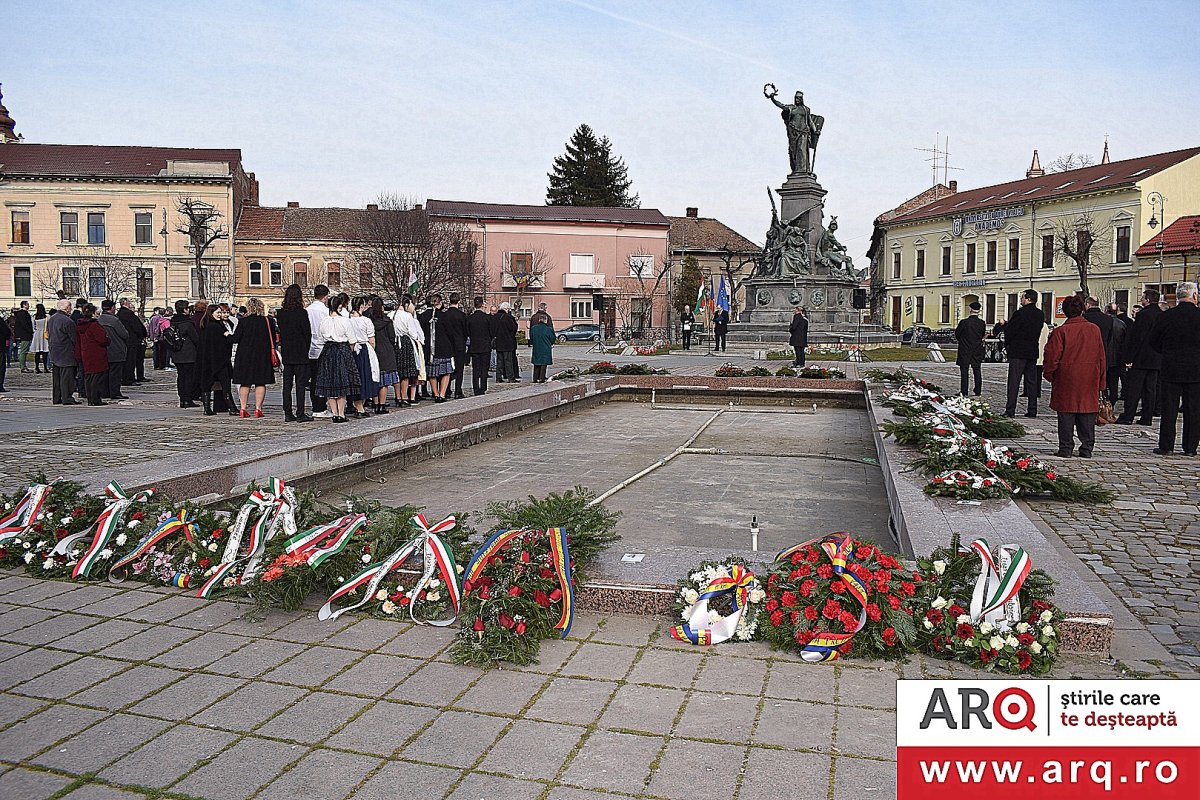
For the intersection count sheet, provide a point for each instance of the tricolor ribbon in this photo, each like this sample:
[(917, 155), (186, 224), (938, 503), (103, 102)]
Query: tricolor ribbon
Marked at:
[(698, 629), (1002, 572), (183, 521), (825, 645), (437, 557), (272, 508), (106, 526), (25, 513), (318, 545), (560, 560)]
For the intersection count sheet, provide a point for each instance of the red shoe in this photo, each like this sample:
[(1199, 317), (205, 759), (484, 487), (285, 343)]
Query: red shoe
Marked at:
[(244, 415), (258, 413)]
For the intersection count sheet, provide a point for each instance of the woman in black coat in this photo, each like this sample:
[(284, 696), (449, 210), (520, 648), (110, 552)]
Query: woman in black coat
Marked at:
[(254, 362), (213, 358), (295, 337)]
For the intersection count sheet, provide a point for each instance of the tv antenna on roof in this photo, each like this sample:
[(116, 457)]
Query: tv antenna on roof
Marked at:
[(940, 158)]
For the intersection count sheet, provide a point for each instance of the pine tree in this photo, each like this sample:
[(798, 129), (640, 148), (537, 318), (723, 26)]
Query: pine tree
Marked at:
[(589, 175), (688, 287)]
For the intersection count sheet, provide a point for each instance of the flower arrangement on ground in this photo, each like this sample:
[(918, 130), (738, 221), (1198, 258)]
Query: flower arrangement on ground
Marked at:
[(718, 601), (839, 596), (729, 370), (601, 368), (823, 373)]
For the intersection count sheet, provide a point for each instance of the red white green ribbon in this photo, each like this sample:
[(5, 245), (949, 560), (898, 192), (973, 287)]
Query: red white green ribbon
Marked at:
[(183, 521), (839, 547), (106, 525), (25, 513), (318, 545), (1002, 572), (273, 508), (698, 628), (435, 553)]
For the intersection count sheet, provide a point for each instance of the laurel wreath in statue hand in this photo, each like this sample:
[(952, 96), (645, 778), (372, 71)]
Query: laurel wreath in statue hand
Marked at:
[(769, 90)]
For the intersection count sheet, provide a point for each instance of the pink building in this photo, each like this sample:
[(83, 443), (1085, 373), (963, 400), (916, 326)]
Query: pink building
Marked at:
[(587, 265)]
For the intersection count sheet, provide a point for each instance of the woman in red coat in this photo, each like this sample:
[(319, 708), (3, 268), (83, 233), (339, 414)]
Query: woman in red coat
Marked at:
[(1074, 365), (91, 350)]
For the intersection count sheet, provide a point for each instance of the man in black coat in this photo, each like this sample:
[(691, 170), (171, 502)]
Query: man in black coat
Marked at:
[(1176, 338), (452, 323), (969, 335), (118, 348), (61, 335), (1142, 363), (1116, 367), (1108, 334), (720, 323), (799, 336), (185, 358), (1022, 334), (135, 359), (504, 331), (23, 334), (479, 332)]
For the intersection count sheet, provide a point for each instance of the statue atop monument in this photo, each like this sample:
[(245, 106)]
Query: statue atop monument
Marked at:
[(803, 130)]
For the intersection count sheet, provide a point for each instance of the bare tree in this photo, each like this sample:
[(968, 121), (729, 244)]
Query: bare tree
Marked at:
[(1071, 161), (736, 266), (524, 270), (201, 224), (1084, 241), (120, 273), (636, 294)]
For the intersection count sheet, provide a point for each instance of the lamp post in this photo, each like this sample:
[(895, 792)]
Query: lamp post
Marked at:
[(166, 263), (1157, 200)]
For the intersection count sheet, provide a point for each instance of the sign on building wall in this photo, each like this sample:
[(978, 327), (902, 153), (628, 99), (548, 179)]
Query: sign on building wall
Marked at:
[(987, 220)]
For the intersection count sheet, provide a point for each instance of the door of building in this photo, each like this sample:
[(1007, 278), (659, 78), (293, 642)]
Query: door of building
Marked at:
[(896, 319)]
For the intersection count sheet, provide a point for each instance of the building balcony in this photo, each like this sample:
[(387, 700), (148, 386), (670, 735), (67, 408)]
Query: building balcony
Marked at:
[(583, 280), (510, 281)]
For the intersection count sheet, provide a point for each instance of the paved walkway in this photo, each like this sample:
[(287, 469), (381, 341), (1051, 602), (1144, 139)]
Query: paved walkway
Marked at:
[(115, 693)]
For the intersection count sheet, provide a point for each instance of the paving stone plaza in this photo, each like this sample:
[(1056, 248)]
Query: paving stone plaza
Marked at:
[(133, 691)]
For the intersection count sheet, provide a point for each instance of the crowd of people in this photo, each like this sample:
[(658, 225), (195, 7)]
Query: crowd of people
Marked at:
[(1147, 360), (339, 357)]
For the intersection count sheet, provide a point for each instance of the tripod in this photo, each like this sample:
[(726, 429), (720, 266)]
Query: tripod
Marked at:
[(856, 354)]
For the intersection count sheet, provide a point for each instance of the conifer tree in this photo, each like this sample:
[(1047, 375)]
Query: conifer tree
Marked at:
[(588, 174)]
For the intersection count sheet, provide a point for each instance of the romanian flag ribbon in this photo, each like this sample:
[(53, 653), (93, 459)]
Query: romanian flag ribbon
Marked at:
[(323, 542), (839, 547), (698, 629), (437, 559), (560, 559), (106, 525), (25, 513), (1002, 572), (272, 508), (183, 521)]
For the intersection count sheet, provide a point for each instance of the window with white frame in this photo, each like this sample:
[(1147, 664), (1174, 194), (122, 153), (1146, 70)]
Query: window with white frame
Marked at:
[(275, 274), (641, 266), (68, 227), (23, 281), (1123, 249), (97, 282), (71, 285), (300, 274), (583, 262), (143, 228), (196, 274), (581, 308), (255, 273)]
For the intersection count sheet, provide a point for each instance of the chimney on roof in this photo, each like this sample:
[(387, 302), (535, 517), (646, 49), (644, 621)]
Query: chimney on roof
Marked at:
[(693, 212), (953, 187), (418, 207), (8, 126), (1104, 159), (293, 204), (1035, 169), (372, 207), (252, 193)]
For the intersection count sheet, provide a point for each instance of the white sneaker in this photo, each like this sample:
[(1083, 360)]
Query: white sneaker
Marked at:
[(322, 414)]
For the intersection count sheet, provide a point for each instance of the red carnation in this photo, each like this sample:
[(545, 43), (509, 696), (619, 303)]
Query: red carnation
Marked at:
[(832, 609), (873, 612), (1051, 476), (908, 588), (204, 562), (838, 587), (61, 534), (848, 620), (935, 616), (863, 553), (845, 649), (894, 602), (804, 637), (808, 587), (810, 613), (812, 555), (797, 557), (514, 591), (964, 631), (789, 599), (136, 515), (804, 570), (825, 571), (794, 617), (985, 655), (1024, 659), (881, 586), (777, 617), (403, 601), (771, 581), (888, 562), (889, 636), (485, 593), (546, 574), (794, 575), (217, 533), (541, 598), (771, 605), (395, 596), (882, 575), (1042, 605)]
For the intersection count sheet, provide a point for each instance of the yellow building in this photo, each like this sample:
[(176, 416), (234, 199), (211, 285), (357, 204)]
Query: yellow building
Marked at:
[(990, 244), (99, 221)]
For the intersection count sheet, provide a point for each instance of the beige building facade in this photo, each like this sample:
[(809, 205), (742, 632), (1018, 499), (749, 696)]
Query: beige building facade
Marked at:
[(988, 245)]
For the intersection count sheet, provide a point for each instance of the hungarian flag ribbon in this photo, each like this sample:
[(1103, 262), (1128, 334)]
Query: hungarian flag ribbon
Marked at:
[(106, 525), (435, 553), (318, 545), (560, 560), (183, 521), (1002, 572), (25, 512), (272, 508), (838, 547), (698, 628)]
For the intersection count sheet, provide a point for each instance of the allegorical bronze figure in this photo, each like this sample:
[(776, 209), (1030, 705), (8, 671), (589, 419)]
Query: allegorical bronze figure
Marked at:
[(803, 130)]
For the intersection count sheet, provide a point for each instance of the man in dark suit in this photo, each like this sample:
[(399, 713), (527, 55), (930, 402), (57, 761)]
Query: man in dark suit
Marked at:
[(1112, 352), (504, 329), (187, 376), (479, 333), (23, 334), (118, 348), (799, 336), (1176, 338), (453, 323), (135, 359), (1142, 363), (720, 323), (1116, 367), (61, 335), (1022, 333), (969, 335)]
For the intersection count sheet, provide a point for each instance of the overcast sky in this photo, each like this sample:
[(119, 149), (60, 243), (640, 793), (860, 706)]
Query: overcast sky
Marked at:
[(335, 103)]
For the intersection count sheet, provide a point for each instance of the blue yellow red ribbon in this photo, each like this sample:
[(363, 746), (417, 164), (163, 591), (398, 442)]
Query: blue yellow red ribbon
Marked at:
[(838, 547), (698, 629), (182, 521)]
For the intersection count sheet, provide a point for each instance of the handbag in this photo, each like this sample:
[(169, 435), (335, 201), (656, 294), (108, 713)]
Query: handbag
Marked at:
[(1106, 415), (271, 346)]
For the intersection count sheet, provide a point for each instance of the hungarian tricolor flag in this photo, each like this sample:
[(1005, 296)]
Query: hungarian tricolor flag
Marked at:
[(701, 297)]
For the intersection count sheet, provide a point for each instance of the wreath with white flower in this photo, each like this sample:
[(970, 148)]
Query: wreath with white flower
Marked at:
[(723, 573)]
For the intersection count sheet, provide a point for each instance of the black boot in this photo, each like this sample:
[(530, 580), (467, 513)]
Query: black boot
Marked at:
[(206, 401), (1032, 412)]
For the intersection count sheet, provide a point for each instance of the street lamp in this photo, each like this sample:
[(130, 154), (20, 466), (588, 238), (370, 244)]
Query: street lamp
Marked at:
[(166, 263), (1156, 199)]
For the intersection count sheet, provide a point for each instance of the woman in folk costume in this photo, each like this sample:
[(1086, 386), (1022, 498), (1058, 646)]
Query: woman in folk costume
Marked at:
[(337, 372), (365, 357), (410, 352)]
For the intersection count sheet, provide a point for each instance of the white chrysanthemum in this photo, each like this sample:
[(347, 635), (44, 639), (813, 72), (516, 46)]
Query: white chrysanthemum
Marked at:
[(105, 554), (66, 520), (939, 567), (40, 544), (41, 515), (1022, 627), (459, 568), (995, 643), (388, 607), (366, 558), (697, 577), (986, 628), (212, 548), (940, 602), (48, 563), (29, 558), (381, 594), (26, 545), (1035, 648), (434, 583), (1046, 616), (121, 539), (1048, 631), (133, 523), (687, 612)]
